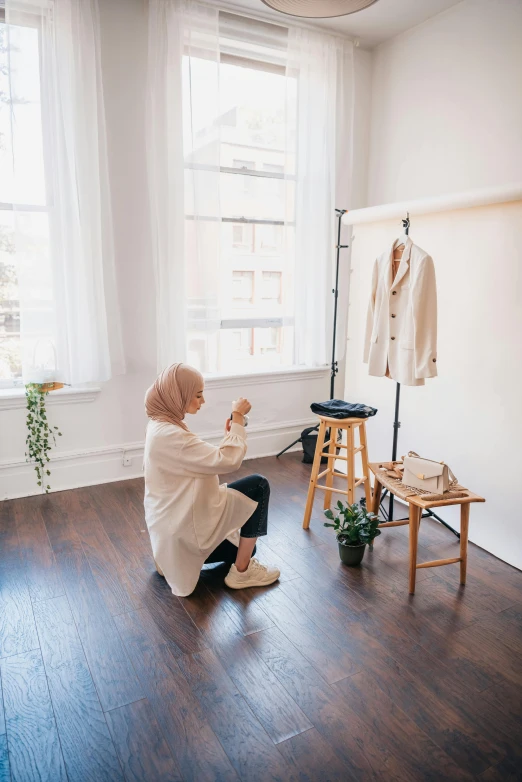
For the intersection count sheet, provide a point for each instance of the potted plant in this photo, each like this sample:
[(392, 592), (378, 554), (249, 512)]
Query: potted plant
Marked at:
[(355, 527)]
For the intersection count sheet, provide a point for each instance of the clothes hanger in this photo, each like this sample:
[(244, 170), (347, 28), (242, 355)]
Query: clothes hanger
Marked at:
[(403, 238)]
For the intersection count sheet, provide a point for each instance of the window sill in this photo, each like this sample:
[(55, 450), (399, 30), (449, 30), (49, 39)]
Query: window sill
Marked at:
[(264, 378), (14, 398)]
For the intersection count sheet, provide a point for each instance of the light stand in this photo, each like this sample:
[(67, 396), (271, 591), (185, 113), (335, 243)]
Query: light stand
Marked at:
[(334, 368)]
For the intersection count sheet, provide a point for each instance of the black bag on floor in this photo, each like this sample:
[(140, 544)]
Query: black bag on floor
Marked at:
[(309, 441)]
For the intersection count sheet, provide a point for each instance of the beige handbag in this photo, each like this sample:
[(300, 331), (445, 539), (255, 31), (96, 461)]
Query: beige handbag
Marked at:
[(425, 474)]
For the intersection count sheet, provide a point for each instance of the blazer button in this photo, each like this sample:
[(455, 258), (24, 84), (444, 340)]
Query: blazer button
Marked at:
[(434, 359), (393, 316), (394, 293), (393, 337)]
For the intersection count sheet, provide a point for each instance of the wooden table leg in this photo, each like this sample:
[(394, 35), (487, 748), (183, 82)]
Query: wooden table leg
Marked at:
[(414, 536), (377, 491), (464, 524)]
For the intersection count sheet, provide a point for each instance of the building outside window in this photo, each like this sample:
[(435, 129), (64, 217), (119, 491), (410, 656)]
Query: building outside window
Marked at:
[(243, 288), (271, 287)]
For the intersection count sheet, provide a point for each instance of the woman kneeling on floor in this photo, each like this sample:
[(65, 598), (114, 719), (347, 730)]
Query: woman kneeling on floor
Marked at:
[(192, 519)]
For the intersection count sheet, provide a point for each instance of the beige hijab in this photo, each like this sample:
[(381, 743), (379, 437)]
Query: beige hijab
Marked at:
[(169, 397)]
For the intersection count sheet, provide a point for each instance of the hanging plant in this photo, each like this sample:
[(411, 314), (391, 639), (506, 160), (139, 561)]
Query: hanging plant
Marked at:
[(40, 436)]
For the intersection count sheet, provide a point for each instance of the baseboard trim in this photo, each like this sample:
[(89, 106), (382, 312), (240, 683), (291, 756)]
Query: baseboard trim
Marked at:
[(107, 464)]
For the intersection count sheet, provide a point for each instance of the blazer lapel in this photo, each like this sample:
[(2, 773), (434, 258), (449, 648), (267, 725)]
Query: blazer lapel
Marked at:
[(404, 265)]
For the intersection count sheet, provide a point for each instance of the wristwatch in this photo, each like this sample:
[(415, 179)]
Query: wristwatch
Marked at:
[(245, 419)]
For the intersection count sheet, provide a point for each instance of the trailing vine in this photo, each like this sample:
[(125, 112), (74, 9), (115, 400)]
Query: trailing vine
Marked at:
[(40, 434)]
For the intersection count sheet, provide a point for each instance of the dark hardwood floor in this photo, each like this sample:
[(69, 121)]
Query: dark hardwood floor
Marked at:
[(335, 673)]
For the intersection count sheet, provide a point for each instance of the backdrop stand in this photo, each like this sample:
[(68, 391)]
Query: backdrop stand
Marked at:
[(334, 368), (388, 513)]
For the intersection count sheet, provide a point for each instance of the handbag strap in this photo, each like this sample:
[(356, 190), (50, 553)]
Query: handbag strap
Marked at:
[(451, 475)]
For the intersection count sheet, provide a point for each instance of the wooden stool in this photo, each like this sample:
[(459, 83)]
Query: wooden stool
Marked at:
[(416, 505), (348, 425)]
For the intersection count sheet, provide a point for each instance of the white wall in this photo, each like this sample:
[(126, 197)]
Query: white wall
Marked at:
[(470, 416), (446, 116), (95, 434), (446, 104)]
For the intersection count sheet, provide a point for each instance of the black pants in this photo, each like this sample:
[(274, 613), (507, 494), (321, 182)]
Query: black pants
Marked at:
[(258, 489)]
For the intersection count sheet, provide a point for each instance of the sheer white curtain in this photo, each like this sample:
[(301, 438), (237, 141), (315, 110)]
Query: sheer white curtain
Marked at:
[(323, 67), (184, 171), (200, 61), (62, 227)]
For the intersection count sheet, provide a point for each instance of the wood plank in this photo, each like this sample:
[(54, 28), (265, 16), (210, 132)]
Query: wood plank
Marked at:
[(496, 663), (17, 627), (313, 758), (196, 750), (108, 568), (168, 612), (505, 701), (320, 649), (274, 708), (242, 736), (86, 744), (111, 670), (363, 752), (506, 771), (36, 553), (32, 736), (417, 751), (5, 770), (268, 556), (141, 745), (133, 547)]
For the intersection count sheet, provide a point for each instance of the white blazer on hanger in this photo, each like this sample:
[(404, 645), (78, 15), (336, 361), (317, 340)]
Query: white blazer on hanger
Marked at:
[(401, 328)]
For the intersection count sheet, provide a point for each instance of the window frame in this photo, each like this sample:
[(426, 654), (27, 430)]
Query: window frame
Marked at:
[(256, 322), (31, 21)]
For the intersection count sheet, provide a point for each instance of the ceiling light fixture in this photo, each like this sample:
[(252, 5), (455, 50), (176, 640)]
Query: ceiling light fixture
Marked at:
[(318, 9)]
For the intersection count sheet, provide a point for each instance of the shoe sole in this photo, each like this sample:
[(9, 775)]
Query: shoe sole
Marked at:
[(256, 584)]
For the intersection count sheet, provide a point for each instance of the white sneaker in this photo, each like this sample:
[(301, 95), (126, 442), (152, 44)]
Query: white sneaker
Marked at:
[(255, 575)]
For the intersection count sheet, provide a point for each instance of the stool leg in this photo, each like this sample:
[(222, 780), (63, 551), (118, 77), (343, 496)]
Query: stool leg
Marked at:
[(351, 465), (464, 524), (315, 472), (331, 467), (365, 468), (414, 536)]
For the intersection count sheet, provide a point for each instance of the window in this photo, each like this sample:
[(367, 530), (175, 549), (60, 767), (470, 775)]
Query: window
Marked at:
[(269, 341), (242, 237), (246, 165), (270, 239), (239, 115), (25, 202), (243, 288), (271, 291)]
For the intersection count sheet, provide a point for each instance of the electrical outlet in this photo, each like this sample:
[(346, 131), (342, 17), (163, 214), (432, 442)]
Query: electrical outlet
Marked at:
[(126, 460)]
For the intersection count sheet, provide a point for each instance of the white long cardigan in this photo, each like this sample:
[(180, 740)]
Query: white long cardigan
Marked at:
[(188, 512)]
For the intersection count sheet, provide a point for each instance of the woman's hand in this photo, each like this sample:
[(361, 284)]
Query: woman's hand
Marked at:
[(241, 406)]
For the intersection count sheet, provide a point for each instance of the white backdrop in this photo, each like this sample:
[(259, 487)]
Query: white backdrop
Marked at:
[(470, 416)]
